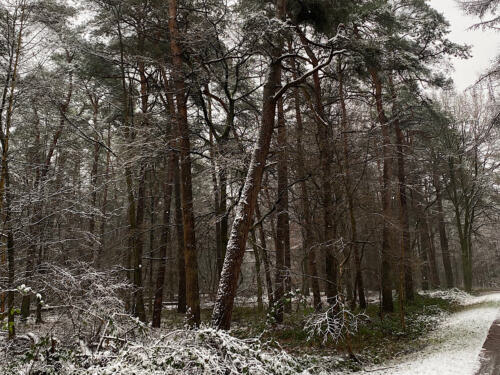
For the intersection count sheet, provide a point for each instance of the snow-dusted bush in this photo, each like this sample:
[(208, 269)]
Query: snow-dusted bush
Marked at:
[(335, 323), (90, 301), (454, 295), (203, 351), (83, 313)]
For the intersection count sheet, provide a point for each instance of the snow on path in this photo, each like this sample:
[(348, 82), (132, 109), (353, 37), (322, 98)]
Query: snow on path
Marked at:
[(455, 345)]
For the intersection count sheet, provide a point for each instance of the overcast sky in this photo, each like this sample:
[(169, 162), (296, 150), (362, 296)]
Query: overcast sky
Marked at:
[(485, 44)]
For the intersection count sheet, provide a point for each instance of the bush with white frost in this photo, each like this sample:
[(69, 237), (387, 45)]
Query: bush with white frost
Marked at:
[(453, 295), (335, 323), (202, 351)]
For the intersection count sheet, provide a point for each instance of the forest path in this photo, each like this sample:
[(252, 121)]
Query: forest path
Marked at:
[(489, 357), (454, 347)]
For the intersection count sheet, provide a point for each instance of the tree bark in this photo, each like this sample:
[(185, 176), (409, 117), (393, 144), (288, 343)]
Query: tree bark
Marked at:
[(221, 317), (443, 238), (181, 268), (308, 237), (282, 283), (404, 219), (265, 258), (258, 277), (93, 173), (326, 162), (358, 276), (160, 280), (386, 266), (190, 254)]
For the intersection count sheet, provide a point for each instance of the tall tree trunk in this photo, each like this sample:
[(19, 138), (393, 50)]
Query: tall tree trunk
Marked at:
[(430, 278), (93, 176), (258, 277), (190, 254), (165, 235), (11, 270), (386, 266), (282, 282), (8, 98), (243, 220), (102, 237), (424, 255), (326, 162), (219, 259), (358, 276), (404, 219), (181, 267), (152, 234), (265, 258), (429, 245), (462, 228), (443, 238), (138, 245), (138, 227), (308, 238)]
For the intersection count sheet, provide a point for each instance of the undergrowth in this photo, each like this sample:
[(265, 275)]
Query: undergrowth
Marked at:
[(255, 344)]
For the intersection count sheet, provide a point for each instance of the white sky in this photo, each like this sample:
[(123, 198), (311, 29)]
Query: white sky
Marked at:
[(485, 44)]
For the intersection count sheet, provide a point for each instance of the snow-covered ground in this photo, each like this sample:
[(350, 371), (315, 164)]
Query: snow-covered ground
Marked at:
[(455, 345)]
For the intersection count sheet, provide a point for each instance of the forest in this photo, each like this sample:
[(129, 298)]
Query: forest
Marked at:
[(244, 187)]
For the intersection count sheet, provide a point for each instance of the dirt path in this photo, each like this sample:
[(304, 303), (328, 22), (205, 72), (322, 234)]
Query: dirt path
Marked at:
[(454, 347), (489, 357)]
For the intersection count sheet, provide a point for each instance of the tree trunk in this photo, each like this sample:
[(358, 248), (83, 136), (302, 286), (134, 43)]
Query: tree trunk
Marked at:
[(160, 280), (443, 238), (265, 258), (386, 266), (152, 234), (243, 220), (93, 176), (138, 245), (429, 270), (104, 202), (258, 277), (358, 276), (308, 238), (190, 254), (181, 268), (404, 220), (282, 282)]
